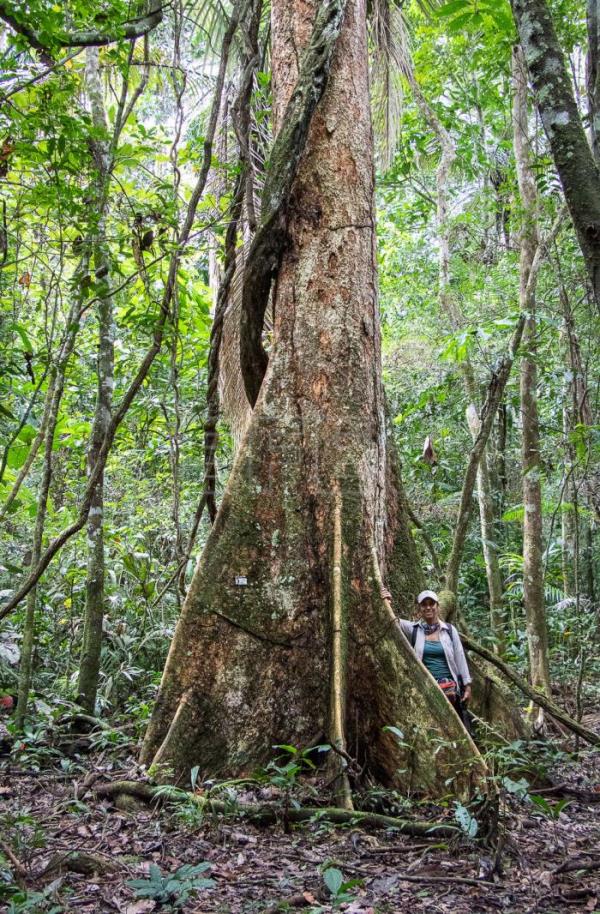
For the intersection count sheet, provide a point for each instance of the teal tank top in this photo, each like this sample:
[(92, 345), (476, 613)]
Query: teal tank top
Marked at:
[(434, 659)]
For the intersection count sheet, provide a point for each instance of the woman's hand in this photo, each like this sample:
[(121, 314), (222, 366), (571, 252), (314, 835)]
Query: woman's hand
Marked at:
[(466, 695)]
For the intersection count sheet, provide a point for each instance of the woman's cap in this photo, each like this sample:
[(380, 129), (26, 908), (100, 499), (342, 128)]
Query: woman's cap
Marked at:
[(428, 595)]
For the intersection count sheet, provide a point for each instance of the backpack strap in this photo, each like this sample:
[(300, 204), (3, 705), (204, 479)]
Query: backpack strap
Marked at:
[(461, 685), (413, 635)]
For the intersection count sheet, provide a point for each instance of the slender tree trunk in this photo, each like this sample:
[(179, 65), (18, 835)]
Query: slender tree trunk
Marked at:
[(448, 306), (589, 560), (567, 516), (57, 384), (494, 395), (254, 661), (29, 627), (562, 123), (89, 667), (489, 536), (533, 572), (501, 469)]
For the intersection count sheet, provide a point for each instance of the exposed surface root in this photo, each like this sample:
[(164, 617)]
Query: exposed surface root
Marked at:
[(268, 814)]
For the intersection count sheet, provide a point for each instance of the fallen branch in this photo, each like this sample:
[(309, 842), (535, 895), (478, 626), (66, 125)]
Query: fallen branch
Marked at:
[(538, 697), (425, 878), (562, 790), (572, 866), (447, 880), (81, 862), (18, 867), (266, 814)]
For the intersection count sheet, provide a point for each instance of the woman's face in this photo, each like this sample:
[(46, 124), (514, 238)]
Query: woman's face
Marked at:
[(430, 611)]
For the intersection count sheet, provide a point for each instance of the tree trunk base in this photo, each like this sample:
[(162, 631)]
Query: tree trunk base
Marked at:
[(251, 661)]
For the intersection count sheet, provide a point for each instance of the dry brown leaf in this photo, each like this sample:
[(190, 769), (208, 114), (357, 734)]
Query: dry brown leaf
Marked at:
[(140, 907)]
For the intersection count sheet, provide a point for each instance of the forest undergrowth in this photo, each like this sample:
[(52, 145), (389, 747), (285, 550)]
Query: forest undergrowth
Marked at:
[(68, 844)]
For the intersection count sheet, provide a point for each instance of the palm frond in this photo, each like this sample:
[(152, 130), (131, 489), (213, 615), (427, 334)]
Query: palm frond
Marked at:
[(390, 50)]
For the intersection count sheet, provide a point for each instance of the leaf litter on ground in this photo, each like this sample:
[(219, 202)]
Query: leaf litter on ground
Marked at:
[(549, 863)]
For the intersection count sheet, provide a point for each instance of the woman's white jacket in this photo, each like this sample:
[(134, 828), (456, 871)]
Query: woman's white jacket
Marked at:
[(453, 649)]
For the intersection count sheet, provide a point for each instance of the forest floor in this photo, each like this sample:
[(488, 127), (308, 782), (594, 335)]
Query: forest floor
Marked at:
[(550, 859)]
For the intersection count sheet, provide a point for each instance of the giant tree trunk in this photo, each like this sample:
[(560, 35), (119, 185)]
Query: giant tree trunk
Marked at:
[(533, 571), (252, 662)]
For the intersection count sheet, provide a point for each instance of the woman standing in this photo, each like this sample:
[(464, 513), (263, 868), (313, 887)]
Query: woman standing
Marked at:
[(438, 646)]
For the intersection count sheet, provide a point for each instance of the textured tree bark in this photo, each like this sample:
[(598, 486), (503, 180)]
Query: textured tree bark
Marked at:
[(89, 667), (560, 116), (533, 571), (251, 662), (593, 75)]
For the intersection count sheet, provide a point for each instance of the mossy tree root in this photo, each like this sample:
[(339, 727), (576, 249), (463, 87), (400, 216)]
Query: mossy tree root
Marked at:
[(270, 814)]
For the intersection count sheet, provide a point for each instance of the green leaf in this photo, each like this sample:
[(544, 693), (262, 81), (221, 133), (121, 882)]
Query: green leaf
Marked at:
[(454, 6), (333, 879), (542, 803), (519, 788), (20, 329), (462, 22), (4, 411), (27, 434), (466, 821), (17, 456), (395, 730)]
